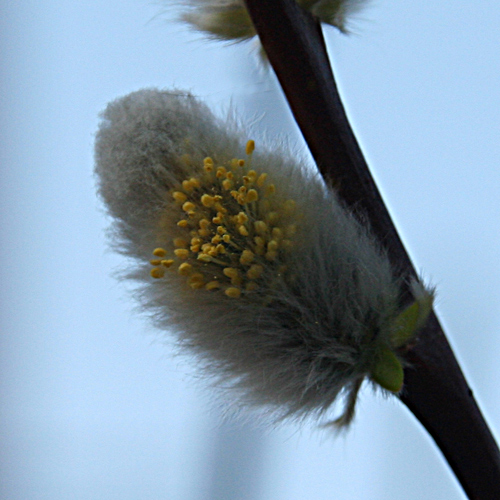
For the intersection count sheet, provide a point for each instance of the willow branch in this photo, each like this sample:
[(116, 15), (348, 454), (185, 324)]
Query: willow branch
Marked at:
[(435, 388)]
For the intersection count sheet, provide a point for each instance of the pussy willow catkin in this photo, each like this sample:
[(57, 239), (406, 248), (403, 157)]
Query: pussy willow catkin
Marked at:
[(229, 19), (244, 253)]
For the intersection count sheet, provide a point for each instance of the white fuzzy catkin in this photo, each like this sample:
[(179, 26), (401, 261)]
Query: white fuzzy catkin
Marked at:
[(248, 257), (229, 20)]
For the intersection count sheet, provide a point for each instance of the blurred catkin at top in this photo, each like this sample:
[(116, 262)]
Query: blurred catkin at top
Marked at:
[(229, 19)]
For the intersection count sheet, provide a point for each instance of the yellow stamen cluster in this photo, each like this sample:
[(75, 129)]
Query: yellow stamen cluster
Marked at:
[(233, 230)]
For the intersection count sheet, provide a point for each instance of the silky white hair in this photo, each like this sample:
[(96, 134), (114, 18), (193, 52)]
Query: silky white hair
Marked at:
[(312, 325)]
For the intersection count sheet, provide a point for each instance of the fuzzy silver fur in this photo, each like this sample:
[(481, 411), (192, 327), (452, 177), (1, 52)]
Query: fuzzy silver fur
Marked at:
[(293, 346)]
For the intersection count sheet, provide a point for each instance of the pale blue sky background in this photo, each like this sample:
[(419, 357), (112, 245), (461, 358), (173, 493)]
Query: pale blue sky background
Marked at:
[(93, 404)]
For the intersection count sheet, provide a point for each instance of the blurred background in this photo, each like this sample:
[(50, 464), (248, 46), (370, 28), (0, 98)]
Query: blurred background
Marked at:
[(94, 403)]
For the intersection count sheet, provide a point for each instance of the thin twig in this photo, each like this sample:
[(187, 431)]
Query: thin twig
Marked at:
[(435, 388)]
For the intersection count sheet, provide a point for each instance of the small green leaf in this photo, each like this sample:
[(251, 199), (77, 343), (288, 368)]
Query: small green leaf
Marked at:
[(405, 325), (388, 371)]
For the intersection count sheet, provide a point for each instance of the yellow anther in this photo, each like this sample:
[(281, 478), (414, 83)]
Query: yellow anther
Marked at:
[(155, 262), (197, 285), (180, 243), (159, 252), (220, 209), (182, 253), (167, 262), (241, 218), (289, 206), (243, 230), (195, 182), (260, 181), (204, 223), (212, 285), (252, 195), (233, 292), (220, 248), (204, 232), (272, 246), (260, 227), (208, 167), (185, 269), (188, 207), (188, 186), (207, 200), (196, 281), (246, 257), (241, 163), (183, 223), (241, 199), (227, 184), (234, 274), (242, 190), (179, 197), (250, 147), (226, 238), (157, 272), (234, 194), (195, 244), (217, 220), (213, 251), (272, 217), (255, 271), (221, 172), (260, 242), (229, 175), (221, 230), (231, 272), (251, 286), (216, 239), (208, 161), (204, 257), (196, 277), (252, 175), (271, 255), (277, 233), (271, 189)]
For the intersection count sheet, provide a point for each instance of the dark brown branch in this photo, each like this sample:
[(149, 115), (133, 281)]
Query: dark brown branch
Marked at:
[(435, 388)]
